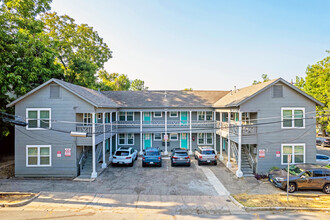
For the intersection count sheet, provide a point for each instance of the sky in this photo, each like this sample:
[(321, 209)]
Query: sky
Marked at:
[(206, 44)]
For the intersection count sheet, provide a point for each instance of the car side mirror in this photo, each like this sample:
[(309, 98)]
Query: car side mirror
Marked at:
[(303, 177)]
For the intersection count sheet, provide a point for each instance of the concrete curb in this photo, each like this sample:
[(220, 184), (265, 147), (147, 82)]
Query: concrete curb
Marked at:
[(18, 204), (285, 208), (236, 202)]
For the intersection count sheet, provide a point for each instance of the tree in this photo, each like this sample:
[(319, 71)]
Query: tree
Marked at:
[(264, 77), (80, 51), (26, 60), (300, 82), (317, 84), (113, 81), (138, 85), (188, 89)]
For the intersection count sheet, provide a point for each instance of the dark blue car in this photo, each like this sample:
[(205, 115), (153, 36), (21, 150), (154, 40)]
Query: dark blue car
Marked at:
[(152, 156)]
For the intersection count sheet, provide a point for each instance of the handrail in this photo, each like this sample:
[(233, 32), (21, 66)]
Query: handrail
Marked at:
[(235, 150), (250, 158), (83, 160), (98, 153)]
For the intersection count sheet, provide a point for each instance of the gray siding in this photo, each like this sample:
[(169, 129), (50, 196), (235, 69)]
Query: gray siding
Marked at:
[(271, 136), (63, 109)]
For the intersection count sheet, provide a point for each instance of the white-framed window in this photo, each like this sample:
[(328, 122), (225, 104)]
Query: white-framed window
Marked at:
[(293, 117), (126, 116), (201, 116), (157, 114), (157, 136), (204, 138), (174, 137), (209, 116), (174, 114), (126, 139), (297, 152), (38, 118), (87, 118), (38, 155), (205, 116)]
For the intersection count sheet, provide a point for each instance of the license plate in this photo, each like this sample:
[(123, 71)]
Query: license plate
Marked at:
[(181, 158), (151, 162), (208, 161)]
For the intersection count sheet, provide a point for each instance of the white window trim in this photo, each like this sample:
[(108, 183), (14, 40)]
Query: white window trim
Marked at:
[(205, 137), (161, 115), (38, 156), (198, 116), (161, 137), (292, 157), (125, 116), (177, 114), (177, 137), (292, 109), (38, 118), (126, 139)]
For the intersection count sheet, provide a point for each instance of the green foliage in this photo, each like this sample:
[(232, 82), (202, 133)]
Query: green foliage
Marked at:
[(274, 168), (138, 85), (300, 82), (264, 77), (113, 81), (188, 89)]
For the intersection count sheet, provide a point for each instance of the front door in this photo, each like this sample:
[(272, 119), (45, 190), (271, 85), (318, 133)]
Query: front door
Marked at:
[(184, 140), (184, 118), (147, 140), (147, 117)]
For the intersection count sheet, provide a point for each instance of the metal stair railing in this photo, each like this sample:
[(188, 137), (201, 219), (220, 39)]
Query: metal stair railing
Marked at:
[(250, 158)]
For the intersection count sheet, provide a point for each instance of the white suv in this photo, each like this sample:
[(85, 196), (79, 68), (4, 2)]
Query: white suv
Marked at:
[(125, 155)]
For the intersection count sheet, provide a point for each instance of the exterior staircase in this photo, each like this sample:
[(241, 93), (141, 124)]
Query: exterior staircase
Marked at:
[(87, 167), (246, 166)]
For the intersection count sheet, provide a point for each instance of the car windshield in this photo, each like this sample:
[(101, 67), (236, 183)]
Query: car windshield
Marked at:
[(294, 170), (152, 153), (208, 152), (122, 153), (181, 154)]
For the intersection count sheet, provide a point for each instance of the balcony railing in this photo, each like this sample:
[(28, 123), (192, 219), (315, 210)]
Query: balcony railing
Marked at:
[(247, 129), (161, 123), (88, 128)]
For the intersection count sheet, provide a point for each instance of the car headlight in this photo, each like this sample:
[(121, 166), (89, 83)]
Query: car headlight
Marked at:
[(279, 179)]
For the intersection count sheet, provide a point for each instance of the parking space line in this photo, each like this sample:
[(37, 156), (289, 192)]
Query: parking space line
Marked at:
[(215, 182)]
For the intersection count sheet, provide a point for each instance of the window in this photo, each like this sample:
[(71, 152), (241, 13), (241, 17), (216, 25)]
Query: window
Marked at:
[(126, 139), (54, 91), (87, 118), (318, 173), (297, 152), (293, 118), (173, 136), (157, 114), (209, 116), (157, 136), (173, 114), (277, 91), (38, 155), (201, 115), (38, 118), (205, 138), (201, 139), (224, 116), (126, 116)]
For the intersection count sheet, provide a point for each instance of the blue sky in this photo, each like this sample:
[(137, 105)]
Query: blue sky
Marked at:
[(206, 44)]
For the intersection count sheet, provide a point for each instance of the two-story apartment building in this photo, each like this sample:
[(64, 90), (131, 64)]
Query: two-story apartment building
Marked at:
[(256, 127)]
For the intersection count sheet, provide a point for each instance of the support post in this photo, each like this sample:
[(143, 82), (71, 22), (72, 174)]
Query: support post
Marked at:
[(239, 172), (104, 164), (214, 132), (229, 142), (190, 133), (110, 157), (166, 152), (221, 140), (116, 141), (141, 137), (94, 173)]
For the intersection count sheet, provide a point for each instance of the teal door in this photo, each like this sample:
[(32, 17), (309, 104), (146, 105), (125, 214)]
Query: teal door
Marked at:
[(147, 140), (184, 118), (147, 117), (184, 140)]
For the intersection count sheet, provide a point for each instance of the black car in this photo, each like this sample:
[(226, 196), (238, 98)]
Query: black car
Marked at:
[(306, 176), (324, 142), (180, 157)]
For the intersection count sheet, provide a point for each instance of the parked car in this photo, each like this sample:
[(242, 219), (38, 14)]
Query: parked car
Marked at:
[(302, 177), (180, 156), (151, 156), (322, 159), (125, 155), (324, 142), (205, 155)]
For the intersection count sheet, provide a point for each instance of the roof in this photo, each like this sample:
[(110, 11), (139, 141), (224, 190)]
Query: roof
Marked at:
[(89, 95), (165, 98), (238, 97)]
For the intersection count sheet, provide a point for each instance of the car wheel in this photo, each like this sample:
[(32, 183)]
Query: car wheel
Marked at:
[(172, 165), (136, 157), (160, 164), (131, 164), (292, 187), (326, 188), (215, 163), (199, 163), (188, 165)]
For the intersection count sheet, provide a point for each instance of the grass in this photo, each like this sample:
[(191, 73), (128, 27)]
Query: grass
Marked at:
[(279, 200)]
